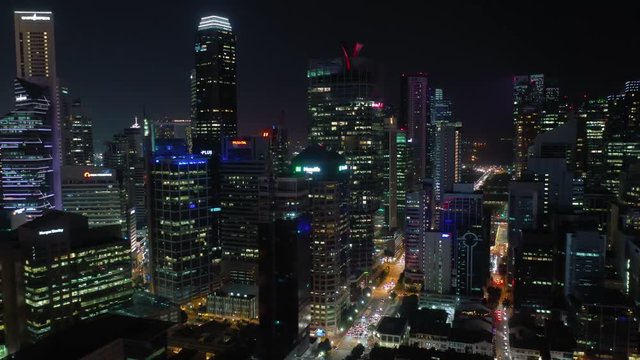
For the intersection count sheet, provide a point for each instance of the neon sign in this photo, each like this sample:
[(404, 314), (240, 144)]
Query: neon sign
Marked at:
[(49, 232), (311, 170), (239, 142), (35, 17), (206, 152), (90, 175), (21, 97), (343, 168)]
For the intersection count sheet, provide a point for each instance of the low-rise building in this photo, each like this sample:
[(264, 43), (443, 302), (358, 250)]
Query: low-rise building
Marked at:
[(392, 331)]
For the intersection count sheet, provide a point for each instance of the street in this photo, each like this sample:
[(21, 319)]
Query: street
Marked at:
[(500, 317)]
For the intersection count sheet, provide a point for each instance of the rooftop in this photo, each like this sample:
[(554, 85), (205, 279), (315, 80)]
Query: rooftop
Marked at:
[(85, 338), (392, 325)]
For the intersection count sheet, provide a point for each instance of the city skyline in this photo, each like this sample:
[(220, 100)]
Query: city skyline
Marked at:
[(474, 68)]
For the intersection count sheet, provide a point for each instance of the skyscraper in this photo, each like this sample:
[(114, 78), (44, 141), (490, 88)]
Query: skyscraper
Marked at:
[(435, 262), (36, 63), (329, 202), (244, 160), (183, 244), (592, 113), (284, 280), (415, 117), (536, 108), (346, 117), (621, 134), (215, 85), (278, 141), (446, 157), (419, 205), (77, 136), (27, 152)]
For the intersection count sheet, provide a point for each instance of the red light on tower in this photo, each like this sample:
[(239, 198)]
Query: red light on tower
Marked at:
[(266, 133)]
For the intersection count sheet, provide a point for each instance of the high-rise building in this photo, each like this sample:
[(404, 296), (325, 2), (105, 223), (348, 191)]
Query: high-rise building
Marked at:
[(71, 272), (593, 114), (77, 136), (415, 117), (435, 260), (621, 134), (446, 157), (605, 324), (471, 263), (174, 129), (27, 152), (536, 108), (347, 117), (584, 260), (534, 273), (282, 198), (278, 140), (419, 205), (244, 160), (36, 63), (395, 173), (93, 192), (215, 85), (284, 281), (461, 210), (329, 209), (183, 242)]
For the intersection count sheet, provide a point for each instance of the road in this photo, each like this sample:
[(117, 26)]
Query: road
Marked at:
[(380, 304), (499, 252)]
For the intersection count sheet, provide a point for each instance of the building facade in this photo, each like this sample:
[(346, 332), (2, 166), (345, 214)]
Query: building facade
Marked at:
[(214, 81)]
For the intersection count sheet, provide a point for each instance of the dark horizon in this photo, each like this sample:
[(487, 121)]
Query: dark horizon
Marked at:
[(470, 51)]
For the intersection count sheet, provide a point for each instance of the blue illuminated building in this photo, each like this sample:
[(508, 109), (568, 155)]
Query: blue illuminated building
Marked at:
[(183, 242), (26, 144)]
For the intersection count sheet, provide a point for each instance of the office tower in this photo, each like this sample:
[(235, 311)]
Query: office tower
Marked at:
[(215, 85), (329, 209), (71, 272), (116, 152), (471, 263), (534, 273), (395, 173), (606, 326), (435, 261), (461, 215), (183, 242), (282, 198), (93, 192), (584, 260), (27, 152), (36, 63), (461, 210), (554, 156), (134, 171), (77, 135), (419, 205), (10, 275), (446, 157), (415, 117), (244, 160), (284, 282), (621, 133), (347, 117), (536, 108), (174, 129), (592, 113), (277, 138)]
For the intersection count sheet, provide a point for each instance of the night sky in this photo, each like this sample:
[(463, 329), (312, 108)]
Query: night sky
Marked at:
[(120, 55)]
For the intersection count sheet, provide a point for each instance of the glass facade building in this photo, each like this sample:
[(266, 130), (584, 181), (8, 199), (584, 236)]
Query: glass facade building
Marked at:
[(347, 117), (214, 82), (183, 240)]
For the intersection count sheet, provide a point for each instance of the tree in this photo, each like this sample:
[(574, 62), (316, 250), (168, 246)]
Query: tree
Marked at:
[(357, 351), (325, 345)]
